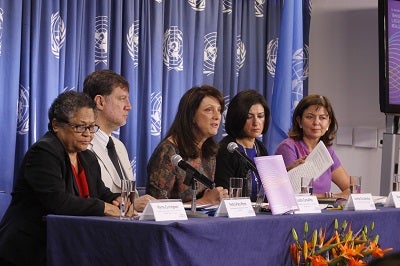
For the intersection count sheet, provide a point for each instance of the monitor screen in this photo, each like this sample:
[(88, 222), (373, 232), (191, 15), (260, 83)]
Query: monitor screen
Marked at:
[(389, 56)]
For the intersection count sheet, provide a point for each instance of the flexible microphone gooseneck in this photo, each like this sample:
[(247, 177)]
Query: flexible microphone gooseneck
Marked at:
[(177, 160), (234, 148)]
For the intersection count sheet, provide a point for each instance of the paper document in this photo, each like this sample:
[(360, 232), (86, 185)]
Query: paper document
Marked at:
[(316, 163), (276, 184)]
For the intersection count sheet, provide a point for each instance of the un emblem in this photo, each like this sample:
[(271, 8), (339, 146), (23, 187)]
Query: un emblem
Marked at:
[(197, 5), (240, 54), (210, 53), (227, 6), (23, 111), (57, 34), (133, 42), (259, 8), (272, 54), (299, 73), (155, 113), (101, 40), (173, 49)]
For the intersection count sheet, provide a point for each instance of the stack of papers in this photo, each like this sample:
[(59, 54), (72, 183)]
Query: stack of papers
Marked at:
[(316, 163)]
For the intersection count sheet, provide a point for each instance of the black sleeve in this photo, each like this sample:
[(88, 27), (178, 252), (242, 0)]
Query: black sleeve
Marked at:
[(228, 165)]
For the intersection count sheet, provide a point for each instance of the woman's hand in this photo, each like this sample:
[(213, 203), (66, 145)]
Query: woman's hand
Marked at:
[(111, 209), (213, 196), (344, 194), (296, 163)]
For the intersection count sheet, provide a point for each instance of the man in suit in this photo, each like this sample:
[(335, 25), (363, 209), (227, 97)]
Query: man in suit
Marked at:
[(110, 91)]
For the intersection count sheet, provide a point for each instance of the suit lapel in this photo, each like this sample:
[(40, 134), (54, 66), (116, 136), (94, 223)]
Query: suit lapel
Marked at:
[(102, 155), (125, 164)]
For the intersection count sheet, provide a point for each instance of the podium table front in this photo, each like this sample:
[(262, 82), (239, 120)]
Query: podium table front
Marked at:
[(260, 240)]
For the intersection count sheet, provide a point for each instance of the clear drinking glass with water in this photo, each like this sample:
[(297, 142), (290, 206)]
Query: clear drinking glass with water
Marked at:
[(132, 191), (307, 185), (124, 199), (235, 187), (396, 182), (355, 184), (128, 194)]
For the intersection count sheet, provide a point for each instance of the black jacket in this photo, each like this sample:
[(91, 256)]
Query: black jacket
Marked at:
[(231, 165), (46, 185)]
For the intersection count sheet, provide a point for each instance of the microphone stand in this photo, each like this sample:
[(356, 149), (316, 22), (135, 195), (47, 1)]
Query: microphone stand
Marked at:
[(193, 213), (194, 192)]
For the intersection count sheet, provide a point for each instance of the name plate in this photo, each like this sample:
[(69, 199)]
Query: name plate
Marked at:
[(307, 204), (164, 210), (360, 202), (235, 208), (393, 199)]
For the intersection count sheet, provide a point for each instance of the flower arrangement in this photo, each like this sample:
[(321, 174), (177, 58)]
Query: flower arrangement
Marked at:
[(343, 248)]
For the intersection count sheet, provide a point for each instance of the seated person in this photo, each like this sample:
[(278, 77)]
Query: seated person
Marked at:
[(246, 120), (313, 121), (110, 91), (58, 175), (191, 136)]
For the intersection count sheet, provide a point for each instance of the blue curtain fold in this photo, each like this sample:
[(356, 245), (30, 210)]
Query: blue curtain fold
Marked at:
[(162, 47)]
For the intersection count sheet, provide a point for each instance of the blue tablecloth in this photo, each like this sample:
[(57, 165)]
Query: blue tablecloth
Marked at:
[(260, 240)]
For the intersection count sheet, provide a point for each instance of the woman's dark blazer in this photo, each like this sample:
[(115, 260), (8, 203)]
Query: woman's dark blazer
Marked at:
[(46, 185), (230, 164)]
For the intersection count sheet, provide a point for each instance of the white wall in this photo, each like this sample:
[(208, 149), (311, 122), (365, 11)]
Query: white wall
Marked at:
[(344, 67)]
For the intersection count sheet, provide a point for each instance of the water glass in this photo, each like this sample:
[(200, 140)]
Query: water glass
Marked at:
[(307, 185), (132, 191), (235, 187), (355, 184), (396, 182), (128, 194), (260, 200)]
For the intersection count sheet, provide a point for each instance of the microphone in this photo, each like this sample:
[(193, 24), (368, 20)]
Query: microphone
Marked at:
[(177, 160), (234, 148)]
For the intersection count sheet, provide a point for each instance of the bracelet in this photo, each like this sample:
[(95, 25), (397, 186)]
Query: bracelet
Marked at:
[(328, 195)]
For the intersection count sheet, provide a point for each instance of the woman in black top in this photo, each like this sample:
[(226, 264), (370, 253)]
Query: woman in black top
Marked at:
[(246, 120)]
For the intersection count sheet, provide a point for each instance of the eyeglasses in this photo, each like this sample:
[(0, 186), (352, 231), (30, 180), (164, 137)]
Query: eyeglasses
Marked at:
[(83, 128)]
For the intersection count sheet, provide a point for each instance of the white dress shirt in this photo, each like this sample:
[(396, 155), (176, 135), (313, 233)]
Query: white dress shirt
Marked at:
[(109, 174)]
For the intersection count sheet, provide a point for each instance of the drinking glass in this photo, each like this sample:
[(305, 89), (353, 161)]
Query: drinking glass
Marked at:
[(235, 187), (132, 191), (260, 199), (128, 194), (307, 185), (355, 184), (396, 182)]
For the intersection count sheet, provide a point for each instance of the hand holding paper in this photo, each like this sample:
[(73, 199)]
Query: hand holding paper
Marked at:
[(316, 163)]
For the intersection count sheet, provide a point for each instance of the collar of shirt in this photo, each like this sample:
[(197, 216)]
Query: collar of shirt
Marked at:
[(102, 137)]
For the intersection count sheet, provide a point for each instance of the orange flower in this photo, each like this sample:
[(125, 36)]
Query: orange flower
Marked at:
[(343, 248), (356, 262), (348, 252), (318, 260), (293, 251), (377, 251), (321, 235)]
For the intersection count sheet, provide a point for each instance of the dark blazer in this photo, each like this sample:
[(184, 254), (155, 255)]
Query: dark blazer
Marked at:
[(231, 165), (46, 185)]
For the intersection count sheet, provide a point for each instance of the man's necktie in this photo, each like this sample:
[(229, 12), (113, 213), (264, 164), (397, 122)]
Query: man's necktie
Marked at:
[(114, 157)]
